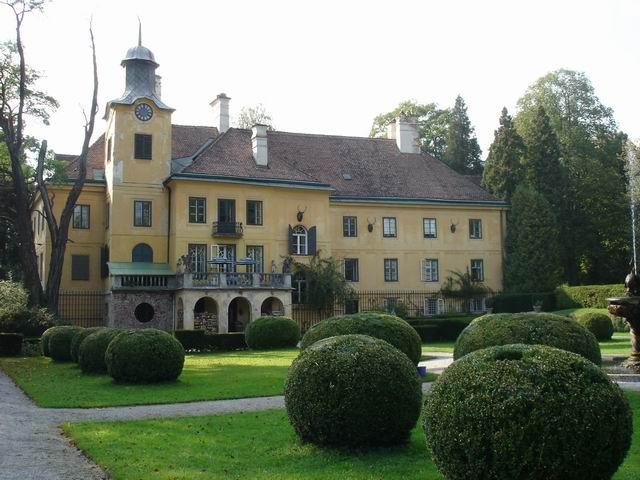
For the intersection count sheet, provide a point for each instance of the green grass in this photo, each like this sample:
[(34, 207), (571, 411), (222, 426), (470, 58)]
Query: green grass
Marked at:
[(259, 445), (571, 311), (212, 376), (618, 345), (441, 346)]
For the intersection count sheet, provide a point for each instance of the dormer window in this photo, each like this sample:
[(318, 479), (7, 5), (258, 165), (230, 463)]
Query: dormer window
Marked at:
[(142, 146)]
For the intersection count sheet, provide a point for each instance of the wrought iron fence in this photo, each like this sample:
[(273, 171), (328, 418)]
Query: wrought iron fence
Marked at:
[(404, 303), (84, 309)]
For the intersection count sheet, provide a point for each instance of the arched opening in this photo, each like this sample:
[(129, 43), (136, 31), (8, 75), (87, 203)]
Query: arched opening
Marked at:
[(142, 253), (144, 312), (180, 315), (239, 314), (205, 315), (272, 306), (300, 240)]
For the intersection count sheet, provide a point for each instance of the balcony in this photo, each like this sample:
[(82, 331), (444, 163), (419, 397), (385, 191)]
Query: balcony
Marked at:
[(235, 280), (144, 282), (227, 229)]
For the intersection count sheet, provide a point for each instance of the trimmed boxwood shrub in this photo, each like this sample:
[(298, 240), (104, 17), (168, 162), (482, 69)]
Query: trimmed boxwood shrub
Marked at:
[(597, 323), (92, 349), (10, 344), (60, 342), (272, 332), (379, 325), (528, 328), (527, 412), (44, 341), (77, 340), (144, 356), (199, 340), (352, 390)]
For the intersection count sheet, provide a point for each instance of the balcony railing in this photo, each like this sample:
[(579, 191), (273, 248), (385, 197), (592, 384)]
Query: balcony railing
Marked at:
[(227, 229), (144, 282), (234, 280)]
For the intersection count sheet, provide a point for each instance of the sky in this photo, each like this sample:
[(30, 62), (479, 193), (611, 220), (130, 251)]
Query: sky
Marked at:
[(330, 67)]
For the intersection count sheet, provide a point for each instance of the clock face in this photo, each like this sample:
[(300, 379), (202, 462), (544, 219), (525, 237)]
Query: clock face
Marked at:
[(144, 112)]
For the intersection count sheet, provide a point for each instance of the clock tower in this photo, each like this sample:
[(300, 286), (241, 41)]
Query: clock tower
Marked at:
[(138, 160)]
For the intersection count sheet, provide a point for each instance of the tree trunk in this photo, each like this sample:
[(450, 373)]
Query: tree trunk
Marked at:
[(27, 253)]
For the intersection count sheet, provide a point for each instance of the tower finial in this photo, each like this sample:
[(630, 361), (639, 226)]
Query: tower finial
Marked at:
[(139, 32)]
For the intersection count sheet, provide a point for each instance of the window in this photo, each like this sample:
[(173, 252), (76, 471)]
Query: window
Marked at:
[(257, 253), (197, 257), (477, 304), (227, 252), (429, 227), (299, 284), (226, 210), (141, 213), (107, 214), (254, 212), (197, 210), (109, 147), (475, 228), (144, 312), (79, 267), (142, 253), (430, 270), (142, 146), (477, 270), (349, 226), (300, 240), (351, 269), (389, 227), (390, 269), (81, 216), (430, 306)]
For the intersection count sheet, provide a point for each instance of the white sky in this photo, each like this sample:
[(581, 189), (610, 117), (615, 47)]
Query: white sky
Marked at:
[(331, 66)]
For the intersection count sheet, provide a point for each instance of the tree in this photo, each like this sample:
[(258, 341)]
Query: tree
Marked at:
[(9, 258), (532, 262), (503, 170), (258, 115), (19, 98), (463, 285), (595, 247), (462, 152), (325, 283), (433, 124)]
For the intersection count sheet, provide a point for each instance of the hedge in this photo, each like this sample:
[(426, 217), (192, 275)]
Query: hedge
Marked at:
[(353, 391), (440, 328), (521, 302), (93, 347), (10, 344), (587, 296), (599, 324), (528, 328), (77, 340), (60, 342), (526, 412), (31, 322), (272, 332), (200, 341)]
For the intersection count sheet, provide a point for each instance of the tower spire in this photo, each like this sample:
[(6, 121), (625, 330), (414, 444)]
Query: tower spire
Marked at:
[(139, 32)]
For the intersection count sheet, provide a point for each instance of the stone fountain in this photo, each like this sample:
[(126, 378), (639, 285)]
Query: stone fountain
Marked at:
[(628, 307)]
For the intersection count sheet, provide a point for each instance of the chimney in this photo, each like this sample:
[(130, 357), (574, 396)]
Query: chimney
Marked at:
[(221, 112), (405, 132), (259, 145), (158, 87)]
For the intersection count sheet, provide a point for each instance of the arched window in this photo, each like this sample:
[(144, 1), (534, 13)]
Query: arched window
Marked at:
[(142, 253), (300, 240)]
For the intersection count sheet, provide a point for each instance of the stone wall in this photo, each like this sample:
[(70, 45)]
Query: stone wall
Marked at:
[(122, 308)]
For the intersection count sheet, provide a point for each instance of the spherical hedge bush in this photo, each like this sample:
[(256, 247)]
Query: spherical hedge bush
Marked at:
[(60, 342), (272, 332), (144, 356), (44, 340), (379, 325), (528, 412), (77, 340), (528, 328), (597, 323), (92, 349), (353, 391)]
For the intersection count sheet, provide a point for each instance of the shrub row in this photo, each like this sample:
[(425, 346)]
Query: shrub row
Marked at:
[(440, 329), (199, 340), (588, 296), (521, 302)]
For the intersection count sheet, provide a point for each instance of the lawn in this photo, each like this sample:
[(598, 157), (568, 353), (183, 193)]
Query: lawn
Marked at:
[(211, 376), (258, 445), (571, 311), (440, 346)]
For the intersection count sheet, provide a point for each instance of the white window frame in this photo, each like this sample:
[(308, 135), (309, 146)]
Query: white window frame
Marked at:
[(356, 270), (349, 226), (479, 267), (391, 270), (389, 227), (300, 240), (431, 306), (427, 231), (475, 228), (428, 270)]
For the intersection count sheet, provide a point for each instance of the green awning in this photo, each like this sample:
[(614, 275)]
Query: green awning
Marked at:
[(139, 268)]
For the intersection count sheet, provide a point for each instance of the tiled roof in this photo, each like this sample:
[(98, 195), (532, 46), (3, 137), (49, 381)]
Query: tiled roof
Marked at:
[(95, 159), (354, 166)]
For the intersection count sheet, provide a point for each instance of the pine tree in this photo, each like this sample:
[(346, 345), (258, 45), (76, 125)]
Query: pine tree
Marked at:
[(503, 169), (462, 152), (532, 262), (542, 167)]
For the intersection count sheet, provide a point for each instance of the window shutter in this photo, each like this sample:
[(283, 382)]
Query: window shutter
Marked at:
[(104, 258), (312, 240), (292, 242)]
